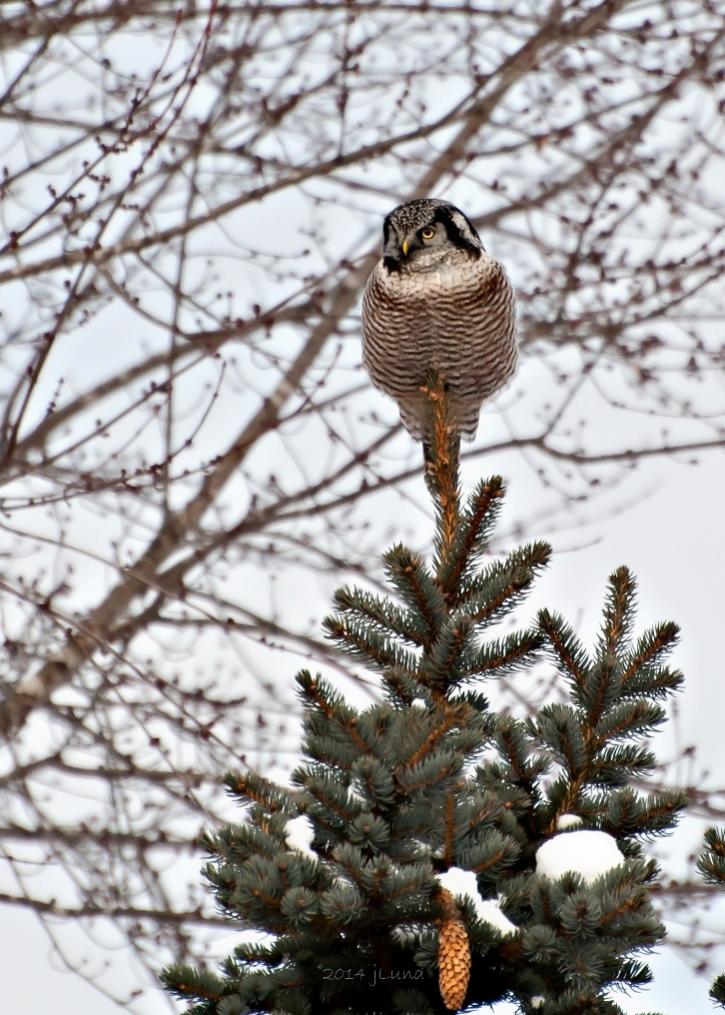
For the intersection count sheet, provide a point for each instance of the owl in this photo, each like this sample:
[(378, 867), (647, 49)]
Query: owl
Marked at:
[(437, 301)]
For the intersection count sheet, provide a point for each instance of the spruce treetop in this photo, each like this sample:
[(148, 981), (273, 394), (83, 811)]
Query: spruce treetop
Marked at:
[(358, 907)]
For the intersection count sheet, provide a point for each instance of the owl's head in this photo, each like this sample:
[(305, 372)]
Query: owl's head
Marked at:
[(415, 230)]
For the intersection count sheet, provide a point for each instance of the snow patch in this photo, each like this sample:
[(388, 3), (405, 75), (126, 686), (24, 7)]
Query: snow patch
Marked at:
[(299, 833), (460, 882), (569, 821), (489, 911), (586, 852), (356, 794)]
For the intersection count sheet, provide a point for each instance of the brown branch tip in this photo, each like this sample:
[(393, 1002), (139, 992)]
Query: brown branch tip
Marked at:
[(442, 460)]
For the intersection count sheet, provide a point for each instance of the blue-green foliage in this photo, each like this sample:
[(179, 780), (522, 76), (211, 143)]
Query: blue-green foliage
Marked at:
[(430, 777)]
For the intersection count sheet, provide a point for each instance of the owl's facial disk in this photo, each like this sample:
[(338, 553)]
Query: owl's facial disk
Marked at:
[(406, 246), (404, 242)]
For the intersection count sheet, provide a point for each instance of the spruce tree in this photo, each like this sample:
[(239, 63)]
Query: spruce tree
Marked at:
[(455, 855)]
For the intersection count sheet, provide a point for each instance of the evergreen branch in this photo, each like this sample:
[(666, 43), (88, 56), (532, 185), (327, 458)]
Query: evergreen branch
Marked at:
[(711, 862), (502, 585), (375, 780), (618, 613), (501, 656), (317, 694), (603, 686), (498, 777), (650, 648), (651, 681), (635, 718), (490, 855), (629, 897), (514, 745), (250, 787), (187, 983), (600, 691), (356, 865), (343, 905), (470, 538), (416, 585), (568, 650), (415, 830), (717, 991), (635, 974), (356, 637), (561, 729), (477, 701), (257, 951), (628, 813), (381, 613), (332, 745), (325, 788), (411, 886), (480, 808), (440, 666), (300, 907), (610, 707), (435, 770), (449, 826), (235, 843), (369, 831), (404, 687), (447, 719), (614, 766)]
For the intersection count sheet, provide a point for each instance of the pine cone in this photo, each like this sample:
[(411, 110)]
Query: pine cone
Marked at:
[(454, 955)]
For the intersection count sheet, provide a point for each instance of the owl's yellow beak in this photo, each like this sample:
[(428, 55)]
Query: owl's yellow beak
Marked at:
[(406, 247)]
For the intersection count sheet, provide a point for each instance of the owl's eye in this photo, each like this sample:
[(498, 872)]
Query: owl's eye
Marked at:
[(428, 232)]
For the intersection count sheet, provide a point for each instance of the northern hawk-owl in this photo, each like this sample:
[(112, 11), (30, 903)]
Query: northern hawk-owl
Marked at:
[(437, 301)]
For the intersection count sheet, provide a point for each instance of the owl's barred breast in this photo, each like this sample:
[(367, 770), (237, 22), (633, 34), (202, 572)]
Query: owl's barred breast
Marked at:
[(457, 318)]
